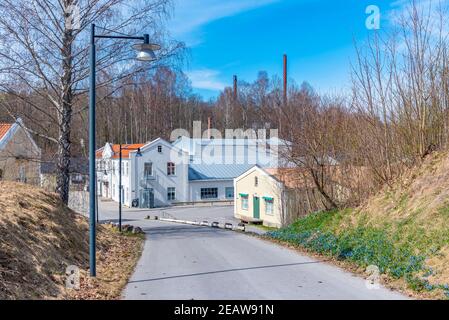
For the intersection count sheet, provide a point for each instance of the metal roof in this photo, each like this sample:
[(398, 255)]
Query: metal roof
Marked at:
[(217, 171)]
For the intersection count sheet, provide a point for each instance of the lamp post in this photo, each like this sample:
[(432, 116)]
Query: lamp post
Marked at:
[(145, 53), (120, 186)]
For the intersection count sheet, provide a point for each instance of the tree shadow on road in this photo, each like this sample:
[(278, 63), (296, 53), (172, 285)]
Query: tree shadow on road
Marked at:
[(228, 270)]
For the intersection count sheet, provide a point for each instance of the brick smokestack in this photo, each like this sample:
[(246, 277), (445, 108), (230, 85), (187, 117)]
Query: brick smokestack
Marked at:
[(209, 127), (235, 89), (285, 80)]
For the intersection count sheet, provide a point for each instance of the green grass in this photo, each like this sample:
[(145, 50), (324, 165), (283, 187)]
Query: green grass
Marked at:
[(399, 252), (265, 228)]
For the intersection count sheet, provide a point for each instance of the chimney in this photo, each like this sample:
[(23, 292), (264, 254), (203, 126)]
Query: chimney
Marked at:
[(285, 80), (209, 125), (235, 88)]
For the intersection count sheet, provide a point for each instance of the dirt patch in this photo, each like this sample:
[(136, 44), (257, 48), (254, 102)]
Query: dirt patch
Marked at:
[(114, 267), (40, 238)]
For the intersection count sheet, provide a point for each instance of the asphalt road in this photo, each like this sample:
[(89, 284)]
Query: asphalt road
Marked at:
[(188, 262)]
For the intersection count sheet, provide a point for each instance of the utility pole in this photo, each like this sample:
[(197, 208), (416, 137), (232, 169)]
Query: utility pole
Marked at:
[(146, 53), (120, 188)]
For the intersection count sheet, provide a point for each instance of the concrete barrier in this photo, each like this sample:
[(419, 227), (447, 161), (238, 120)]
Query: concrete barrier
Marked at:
[(215, 224)]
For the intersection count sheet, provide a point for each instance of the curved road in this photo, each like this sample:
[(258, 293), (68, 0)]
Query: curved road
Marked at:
[(188, 262)]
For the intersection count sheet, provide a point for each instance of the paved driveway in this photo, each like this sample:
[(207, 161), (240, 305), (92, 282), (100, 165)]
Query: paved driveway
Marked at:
[(109, 212)]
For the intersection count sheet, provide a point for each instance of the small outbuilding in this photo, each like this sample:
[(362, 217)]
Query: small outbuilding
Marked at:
[(274, 197), (259, 198), (20, 156)]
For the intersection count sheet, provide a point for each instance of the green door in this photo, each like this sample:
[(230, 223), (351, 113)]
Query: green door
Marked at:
[(256, 206)]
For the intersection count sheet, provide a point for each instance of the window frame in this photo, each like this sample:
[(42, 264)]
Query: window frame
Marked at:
[(269, 204), (171, 169), (226, 192), (209, 192), (171, 194), (245, 200), (147, 176)]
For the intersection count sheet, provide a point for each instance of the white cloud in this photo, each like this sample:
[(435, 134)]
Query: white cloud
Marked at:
[(206, 79), (426, 8), (190, 15)]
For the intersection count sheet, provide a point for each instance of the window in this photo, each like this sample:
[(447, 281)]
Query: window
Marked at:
[(229, 193), (171, 194), (148, 170), (209, 193), (159, 149), (1, 174), (22, 175), (269, 206), (256, 181), (126, 169), (245, 202), (171, 169)]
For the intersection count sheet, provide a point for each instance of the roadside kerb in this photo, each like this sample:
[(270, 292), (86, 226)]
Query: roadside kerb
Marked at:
[(224, 226)]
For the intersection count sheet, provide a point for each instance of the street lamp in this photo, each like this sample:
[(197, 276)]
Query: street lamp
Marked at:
[(145, 53), (120, 186)]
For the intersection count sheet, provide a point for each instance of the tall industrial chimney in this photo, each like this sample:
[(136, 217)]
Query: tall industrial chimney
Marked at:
[(285, 80), (209, 126), (235, 88)]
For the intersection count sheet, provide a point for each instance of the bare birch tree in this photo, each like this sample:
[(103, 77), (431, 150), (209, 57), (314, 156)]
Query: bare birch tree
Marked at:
[(44, 60)]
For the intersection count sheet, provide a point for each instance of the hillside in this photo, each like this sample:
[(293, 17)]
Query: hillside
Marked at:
[(40, 237), (404, 230)]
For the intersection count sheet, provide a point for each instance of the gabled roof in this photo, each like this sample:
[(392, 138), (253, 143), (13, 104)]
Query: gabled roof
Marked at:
[(126, 150), (4, 128), (291, 178), (217, 171), (99, 153), (8, 130), (164, 142)]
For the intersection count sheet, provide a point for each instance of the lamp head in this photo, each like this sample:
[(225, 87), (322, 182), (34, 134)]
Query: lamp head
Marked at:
[(145, 50)]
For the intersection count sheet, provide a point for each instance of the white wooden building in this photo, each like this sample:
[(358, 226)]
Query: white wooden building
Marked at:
[(186, 171)]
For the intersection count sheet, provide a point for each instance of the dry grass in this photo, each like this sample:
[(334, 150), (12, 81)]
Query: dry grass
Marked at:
[(411, 217), (416, 211), (40, 237)]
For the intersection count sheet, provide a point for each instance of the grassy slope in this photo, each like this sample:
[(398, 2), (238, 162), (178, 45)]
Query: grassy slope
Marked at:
[(39, 238), (404, 231)]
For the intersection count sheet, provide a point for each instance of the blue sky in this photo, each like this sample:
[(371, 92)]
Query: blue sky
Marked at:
[(244, 37)]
